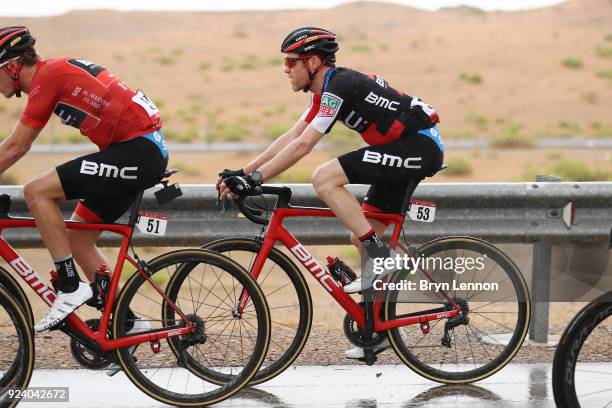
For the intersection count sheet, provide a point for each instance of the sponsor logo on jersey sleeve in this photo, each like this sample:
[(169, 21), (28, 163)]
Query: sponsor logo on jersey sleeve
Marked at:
[(330, 105)]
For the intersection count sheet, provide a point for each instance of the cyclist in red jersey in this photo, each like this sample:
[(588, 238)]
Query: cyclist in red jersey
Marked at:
[(124, 124), (403, 144)]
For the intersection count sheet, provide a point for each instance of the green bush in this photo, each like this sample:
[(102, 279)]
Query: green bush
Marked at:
[(274, 130), (607, 74), (510, 136), (477, 119), (177, 52), (76, 137), (204, 66), (118, 56), (342, 139), (575, 170), (170, 134), (597, 129), (572, 63), (293, 176), (471, 78), (568, 128), (603, 51), (362, 48), (185, 168), (165, 60), (228, 64), (229, 132), (159, 103), (458, 166)]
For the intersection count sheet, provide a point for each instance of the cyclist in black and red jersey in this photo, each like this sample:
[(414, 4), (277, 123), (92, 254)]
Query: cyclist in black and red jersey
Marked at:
[(403, 142), (124, 124)]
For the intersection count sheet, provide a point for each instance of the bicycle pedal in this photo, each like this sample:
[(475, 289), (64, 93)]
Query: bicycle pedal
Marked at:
[(112, 372), (370, 356)]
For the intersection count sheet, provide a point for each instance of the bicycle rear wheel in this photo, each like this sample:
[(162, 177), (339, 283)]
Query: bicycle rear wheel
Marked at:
[(222, 340), (16, 350), (582, 367), (494, 300)]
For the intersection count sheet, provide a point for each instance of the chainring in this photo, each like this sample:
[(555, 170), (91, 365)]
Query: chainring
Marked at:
[(357, 336), (86, 357)]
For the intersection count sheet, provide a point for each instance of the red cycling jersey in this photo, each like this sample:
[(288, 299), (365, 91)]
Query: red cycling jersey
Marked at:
[(88, 97)]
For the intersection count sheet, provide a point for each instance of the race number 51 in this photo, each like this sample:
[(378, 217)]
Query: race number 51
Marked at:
[(422, 211), (151, 223)]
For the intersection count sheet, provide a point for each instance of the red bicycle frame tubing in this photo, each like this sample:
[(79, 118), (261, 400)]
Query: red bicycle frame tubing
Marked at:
[(47, 294), (278, 232)]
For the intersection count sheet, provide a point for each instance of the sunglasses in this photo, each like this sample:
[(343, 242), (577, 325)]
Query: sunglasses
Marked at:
[(290, 62)]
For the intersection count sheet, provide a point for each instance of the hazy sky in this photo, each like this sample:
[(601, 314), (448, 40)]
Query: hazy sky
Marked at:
[(51, 7)]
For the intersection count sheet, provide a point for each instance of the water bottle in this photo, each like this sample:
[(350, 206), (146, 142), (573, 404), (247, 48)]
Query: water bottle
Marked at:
[(101, 281), (340, 271)]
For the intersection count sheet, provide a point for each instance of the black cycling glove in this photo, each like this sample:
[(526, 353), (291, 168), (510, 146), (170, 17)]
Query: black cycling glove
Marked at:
[(241, 185), (417, 119), (229, 173)]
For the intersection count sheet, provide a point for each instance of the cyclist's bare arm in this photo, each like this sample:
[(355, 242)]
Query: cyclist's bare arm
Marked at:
[(291, 153), (276, 146), (16, 145)]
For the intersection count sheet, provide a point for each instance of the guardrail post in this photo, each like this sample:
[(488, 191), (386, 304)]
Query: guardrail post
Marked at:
[(540, 284)]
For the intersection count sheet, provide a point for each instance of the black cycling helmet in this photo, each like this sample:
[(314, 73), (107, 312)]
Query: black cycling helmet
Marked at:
[(15, 42), (312, 41)]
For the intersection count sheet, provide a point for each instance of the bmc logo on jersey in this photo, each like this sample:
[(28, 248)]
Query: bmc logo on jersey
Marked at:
[(107, 170), (391, 160), (381, 101), (330, 105)]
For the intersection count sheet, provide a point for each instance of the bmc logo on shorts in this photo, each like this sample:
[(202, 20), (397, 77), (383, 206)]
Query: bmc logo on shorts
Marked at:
[(390, 160), (107, 170)]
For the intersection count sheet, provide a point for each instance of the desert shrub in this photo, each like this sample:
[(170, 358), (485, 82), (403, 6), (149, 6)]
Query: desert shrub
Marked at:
[(471, 78), (118, 56), (604, 74), (362, 48), (165, 60), (477, 119), (229, 131), (568, 128), (589, 97), (598, 129), (510, 136), (204, 66), (603, 51), (576, 170), (293, 176), (274, 130), (228, 64), (185, 168), (572, 63), (458, 166)]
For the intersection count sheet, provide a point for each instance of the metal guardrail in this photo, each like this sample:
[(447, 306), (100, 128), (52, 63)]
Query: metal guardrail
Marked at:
[(543, 213), (498, 212)]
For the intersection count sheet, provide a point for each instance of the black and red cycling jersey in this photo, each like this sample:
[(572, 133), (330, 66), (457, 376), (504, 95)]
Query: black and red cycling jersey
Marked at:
[(364, 103), (90, 98)]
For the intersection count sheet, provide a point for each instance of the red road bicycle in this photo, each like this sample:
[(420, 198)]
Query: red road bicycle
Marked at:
[(187, 298), (444, 333)]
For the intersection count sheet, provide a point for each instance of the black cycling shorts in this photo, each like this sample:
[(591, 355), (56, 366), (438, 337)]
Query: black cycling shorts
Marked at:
[(389, 167), (107, 182)]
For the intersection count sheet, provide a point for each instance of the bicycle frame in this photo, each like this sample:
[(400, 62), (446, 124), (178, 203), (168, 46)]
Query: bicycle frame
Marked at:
[(47, 294), (277, 232)]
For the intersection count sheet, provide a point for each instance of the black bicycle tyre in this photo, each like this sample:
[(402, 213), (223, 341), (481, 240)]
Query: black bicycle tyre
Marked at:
[(303, 294), (237, 382), (518, 336), (570, 345), (9, 282), (19, 377)]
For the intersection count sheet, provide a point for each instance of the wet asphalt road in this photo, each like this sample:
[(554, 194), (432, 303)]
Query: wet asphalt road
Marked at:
[(517, 385)]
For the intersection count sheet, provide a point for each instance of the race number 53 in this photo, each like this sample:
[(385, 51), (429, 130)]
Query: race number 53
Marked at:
[(422, 211)]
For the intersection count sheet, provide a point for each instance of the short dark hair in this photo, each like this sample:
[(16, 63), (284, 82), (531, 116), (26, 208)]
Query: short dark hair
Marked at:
[(30, 57)]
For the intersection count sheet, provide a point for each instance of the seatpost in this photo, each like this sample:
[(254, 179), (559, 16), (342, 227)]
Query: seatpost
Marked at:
[(135, 208), (412, 185)]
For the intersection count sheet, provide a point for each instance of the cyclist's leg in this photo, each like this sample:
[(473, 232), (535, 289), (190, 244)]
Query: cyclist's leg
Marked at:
[(42, 195)]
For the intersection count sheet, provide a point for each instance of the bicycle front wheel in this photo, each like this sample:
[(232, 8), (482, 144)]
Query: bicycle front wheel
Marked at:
[(495, 310), (16, 350), (582, 368), (204, 286), (287, 295)]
